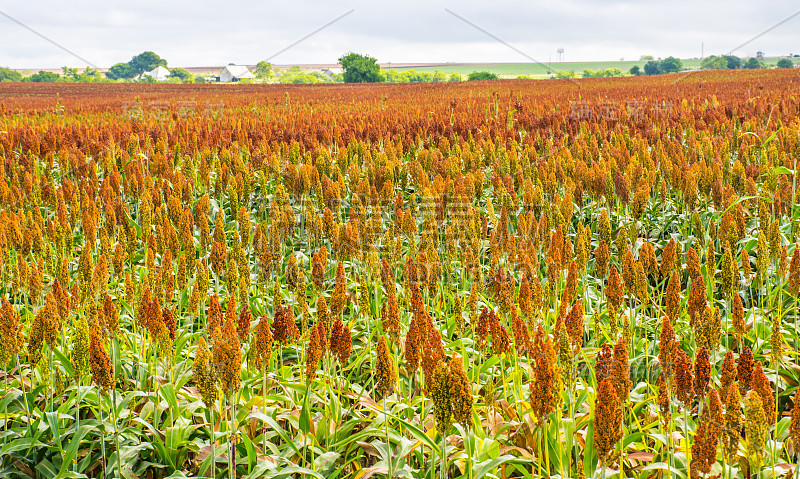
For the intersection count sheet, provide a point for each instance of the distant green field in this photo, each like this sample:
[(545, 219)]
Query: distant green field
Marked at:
[(511, 70)]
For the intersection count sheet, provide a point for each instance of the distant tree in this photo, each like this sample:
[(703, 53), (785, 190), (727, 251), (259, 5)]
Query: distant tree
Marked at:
[(360, 68), (263, 71), (635, 70), (199, 79), (733, 61), (43, 77), (587, 73), (645, 58), (784, 63), (652, 67), (121, 71), (454, 77), (753, 63), (182, 75), (146, 61), (439, 77), (670, 65), (564, 74), (524, 77), (714, 62), (9, 75), (482, 75)]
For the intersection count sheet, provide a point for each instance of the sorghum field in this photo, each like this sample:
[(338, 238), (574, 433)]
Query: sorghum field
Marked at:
[(486, 279)]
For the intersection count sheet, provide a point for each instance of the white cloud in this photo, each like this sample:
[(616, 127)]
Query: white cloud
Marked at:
[(203, 32)]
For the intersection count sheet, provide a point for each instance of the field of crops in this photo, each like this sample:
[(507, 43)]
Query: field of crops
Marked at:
[(590, 278)]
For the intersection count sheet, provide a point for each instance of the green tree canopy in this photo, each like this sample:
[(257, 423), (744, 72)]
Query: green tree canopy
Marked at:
[(733, 61), (635, 70), (121, 71), (784, 63), (652, 68), (182, 75), (146, 61), (482, 75), (753, 63), (44, 77), (263, 71), (9, 75), (360, 68), (671, 65)]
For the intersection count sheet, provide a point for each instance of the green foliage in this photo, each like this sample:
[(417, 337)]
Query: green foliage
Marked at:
[(9, 75), (607, 73), (43, 77), (753, 63), (733, 61), (121, 71), (714, 62), (564, 74), (264, 70), (182, 75), (146, 61), (482, 75), (454, 77), (785, 63), (137, 65), (360, 68), (299, 76), (667, 65), (635, 70)]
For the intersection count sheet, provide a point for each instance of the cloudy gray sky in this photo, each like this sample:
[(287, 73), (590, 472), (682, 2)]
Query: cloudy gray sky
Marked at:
[(203, 32)]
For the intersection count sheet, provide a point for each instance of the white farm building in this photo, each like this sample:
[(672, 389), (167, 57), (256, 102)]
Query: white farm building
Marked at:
[(158, 73), (234, 73)]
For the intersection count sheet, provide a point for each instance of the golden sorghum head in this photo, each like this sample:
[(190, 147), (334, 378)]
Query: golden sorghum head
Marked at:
[(413, 346), (604, 229), (745, 263), (744, 369), (390, 316), (733, 423), (11, 338), (684, 379), (44, 330), (214, 316), (762, 386), (728, 374), (522, 338), (794, 427), (673, 300), (762, 254), (460, 392), (614, 291), (607, 421), (574, 324), (80, 347), (102, 369), (756, 428), (704, 447), (603, 362), (730, 273), (339, 299), (544, 387), (697, 302), (385, 375), (284, 327), (205, 377), (693, 263), (572, 283), (228, 358), (243, 323), (318, 264), (432, 349), (439, 388), (702, 373), (316, 350), (620, 370), (292, 270), (737, 313), (664, 403), (341, 341), (262, 349)]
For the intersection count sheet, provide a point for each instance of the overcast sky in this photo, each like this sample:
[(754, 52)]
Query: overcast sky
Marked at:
[(205, 33)]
